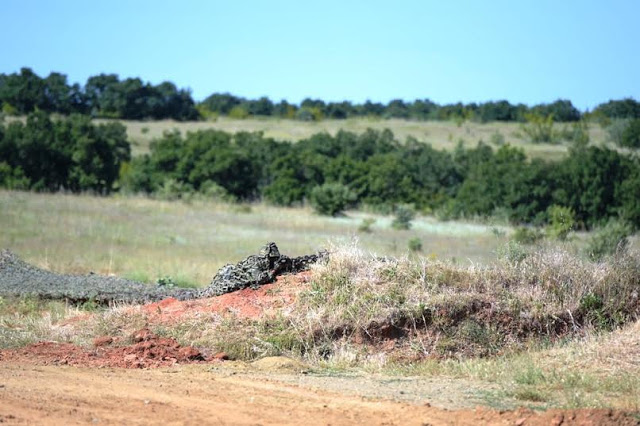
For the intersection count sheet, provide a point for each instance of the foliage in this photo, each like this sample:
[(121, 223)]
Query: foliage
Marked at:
[(609, 239), (527, 235), (631, 135), (539, 128), (562, 110), (624, 108), (331, 198), (414, 244), (616, 129), (365, 225), (70, 153), (403, 215), (104, 95), (238, 112), (577, 133), (588, 182), (561, 222)]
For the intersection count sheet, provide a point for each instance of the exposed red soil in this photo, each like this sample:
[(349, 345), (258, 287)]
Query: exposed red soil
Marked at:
[(150, 351), (267, 300), (233, 399), (147, 351)]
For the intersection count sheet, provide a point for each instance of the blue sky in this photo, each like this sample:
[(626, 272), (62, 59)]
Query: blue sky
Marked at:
[(448, 51)]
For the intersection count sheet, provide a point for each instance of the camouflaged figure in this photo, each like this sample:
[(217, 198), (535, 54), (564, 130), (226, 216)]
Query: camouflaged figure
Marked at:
[(256, 270)]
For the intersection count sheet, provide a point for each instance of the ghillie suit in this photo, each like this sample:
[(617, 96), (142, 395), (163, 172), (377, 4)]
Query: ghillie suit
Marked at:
[(257, 270), (20, 279)]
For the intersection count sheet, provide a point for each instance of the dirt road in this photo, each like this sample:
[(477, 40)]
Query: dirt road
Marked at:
[(202, 394)]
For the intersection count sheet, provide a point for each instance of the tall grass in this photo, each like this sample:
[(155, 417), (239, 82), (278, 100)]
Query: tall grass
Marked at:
[(145, 239)]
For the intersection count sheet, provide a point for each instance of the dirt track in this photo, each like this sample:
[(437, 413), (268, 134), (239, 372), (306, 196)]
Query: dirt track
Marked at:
[(31, 394)]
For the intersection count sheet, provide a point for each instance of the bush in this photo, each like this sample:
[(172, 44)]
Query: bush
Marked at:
[(561, 221), (616, 129), (526, 235), (212, 191), (631, 135), (238, 112), (172, 190), (415, 244), (365, 226), (13, 178), (404, 214), (331, 198), (497, 138), (609, 240), (539, 128), (578, 133)]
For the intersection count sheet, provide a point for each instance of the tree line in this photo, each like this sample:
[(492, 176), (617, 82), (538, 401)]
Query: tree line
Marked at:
[(375, 169), (106, 95), (368, 169)]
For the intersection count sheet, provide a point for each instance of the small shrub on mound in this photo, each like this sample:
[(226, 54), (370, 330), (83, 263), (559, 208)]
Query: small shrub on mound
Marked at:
[(454, 310)]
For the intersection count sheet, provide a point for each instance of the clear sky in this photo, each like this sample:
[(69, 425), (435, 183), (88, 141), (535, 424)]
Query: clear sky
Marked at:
[(449, 51)]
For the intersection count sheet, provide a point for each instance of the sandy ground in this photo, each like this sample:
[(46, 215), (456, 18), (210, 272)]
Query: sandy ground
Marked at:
[(205, 394)]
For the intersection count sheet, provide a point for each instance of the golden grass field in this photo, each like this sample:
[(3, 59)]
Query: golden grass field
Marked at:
[(440, 134)]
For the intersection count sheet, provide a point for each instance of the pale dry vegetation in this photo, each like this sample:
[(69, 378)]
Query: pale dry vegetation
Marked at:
[(145, 239), (440, 134)]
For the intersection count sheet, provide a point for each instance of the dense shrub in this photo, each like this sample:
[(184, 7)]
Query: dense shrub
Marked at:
[(414, 244), (403, 216), (331, 198), (631, 135), (561, 222), (608, 240), (527, 235)]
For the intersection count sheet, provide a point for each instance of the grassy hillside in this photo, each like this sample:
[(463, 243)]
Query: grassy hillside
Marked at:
[(440, 134)]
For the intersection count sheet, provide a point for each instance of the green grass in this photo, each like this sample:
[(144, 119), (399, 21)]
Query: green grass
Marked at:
[(146, 239), (440, 134)]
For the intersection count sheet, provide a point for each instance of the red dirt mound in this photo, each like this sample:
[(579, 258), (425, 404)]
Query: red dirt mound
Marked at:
[(267, 300), (148, 351)]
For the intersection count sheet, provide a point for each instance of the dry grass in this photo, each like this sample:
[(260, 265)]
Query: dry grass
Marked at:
[(440, 134), (146, 239), (541, 344)]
